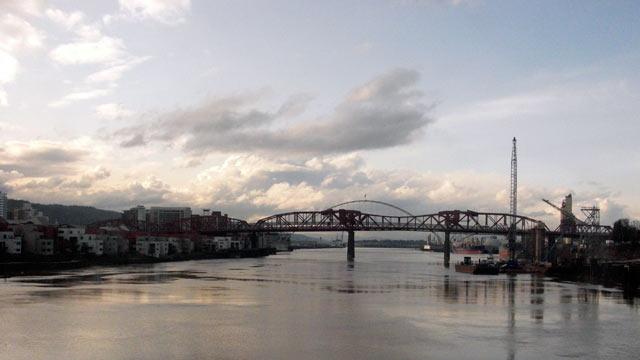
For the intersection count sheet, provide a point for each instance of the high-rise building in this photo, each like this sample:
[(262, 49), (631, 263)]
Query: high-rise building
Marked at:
[(135, 214), (3, 205)]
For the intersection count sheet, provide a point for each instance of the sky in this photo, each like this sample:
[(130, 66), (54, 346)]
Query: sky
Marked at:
[(255, 108)]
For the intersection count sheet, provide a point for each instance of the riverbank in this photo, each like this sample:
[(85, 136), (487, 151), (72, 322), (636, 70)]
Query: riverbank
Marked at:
[(26, 265), (624, 274)]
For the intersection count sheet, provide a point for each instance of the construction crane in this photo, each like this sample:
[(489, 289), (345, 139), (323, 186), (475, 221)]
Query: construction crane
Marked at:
[(513, 202), (565, 213)]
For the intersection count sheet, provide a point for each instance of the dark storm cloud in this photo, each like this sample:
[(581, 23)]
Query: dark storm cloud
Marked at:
[(383, 113)]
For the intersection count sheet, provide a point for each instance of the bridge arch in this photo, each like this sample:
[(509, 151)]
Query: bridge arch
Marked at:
[(372, 202)]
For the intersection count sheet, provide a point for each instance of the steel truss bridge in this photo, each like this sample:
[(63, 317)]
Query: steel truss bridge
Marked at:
[(456, 221), (334, 219)]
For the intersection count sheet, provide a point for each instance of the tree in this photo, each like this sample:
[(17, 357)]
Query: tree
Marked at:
[(625, 231)]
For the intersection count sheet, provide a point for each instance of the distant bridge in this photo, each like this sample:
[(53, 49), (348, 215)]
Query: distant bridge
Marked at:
[(332, 219)]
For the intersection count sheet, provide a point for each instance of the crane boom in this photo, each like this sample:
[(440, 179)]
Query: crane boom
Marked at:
[(564, 212)]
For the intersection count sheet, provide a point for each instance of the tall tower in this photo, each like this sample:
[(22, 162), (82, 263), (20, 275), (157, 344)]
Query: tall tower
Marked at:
[(513, 208)]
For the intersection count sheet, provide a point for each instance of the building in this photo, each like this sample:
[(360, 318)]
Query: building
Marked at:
[(222, 242), (69, 238), (36, 239), (152, 246), (207, 245), (180, 245), (9, 243), (4, 205), (90, 244), (168, 215), (26, 213), (114, 244), (135, 214)]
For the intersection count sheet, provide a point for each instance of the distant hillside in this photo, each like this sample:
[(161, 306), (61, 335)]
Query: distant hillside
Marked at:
[(300, 237), (69, 214)]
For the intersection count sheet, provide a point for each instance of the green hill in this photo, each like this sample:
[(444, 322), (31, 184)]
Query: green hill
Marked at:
[(69, 214)]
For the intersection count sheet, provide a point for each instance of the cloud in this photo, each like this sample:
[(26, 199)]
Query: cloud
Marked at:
[(294, 106), (40, 158), (8, 70), (364, 47), (89, 49), (253, 186), (16, 34), (80, 95), (113, 111), (68, 20), (136, 140), (385, 112), (113, 73), (165, 11), (23, 7)]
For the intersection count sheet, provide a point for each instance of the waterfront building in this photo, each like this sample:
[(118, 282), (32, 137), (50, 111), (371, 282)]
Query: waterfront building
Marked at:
[(114, 244), (168, 215), (90, 244), (3, 205), (68, 237), (36, 239), (207, 245), (9, 243), (152, 246), (222, 242), (179, 245)]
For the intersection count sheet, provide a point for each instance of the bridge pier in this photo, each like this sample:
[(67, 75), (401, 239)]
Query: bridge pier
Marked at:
[(447, 249), (539, 241), (351, 245)]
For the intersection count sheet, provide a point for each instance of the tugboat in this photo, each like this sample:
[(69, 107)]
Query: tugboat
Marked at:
[(482, 267)]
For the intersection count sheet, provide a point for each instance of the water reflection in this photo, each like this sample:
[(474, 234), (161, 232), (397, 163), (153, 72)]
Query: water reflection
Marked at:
[(387, 304), (511, 318)]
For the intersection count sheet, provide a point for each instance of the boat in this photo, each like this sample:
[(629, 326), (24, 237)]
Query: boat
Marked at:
[(433, 247), (482, 267), (471, 250)]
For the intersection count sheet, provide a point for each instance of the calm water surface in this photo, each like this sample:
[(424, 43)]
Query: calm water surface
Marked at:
[(311, 304)]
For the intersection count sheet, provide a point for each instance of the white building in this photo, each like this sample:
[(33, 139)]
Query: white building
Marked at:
[(9, 243), (114, 244), (180, 245), (152, 246), (68, 232), (69, 237), (207, 245), (90, 244), (222, 242)]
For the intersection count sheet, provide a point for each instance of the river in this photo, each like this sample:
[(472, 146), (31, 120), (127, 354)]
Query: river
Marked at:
[(311, 304)]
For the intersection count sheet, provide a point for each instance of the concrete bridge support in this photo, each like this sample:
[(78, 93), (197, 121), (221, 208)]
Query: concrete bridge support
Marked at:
[(447, 249), (539, 241), (351, 245)]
